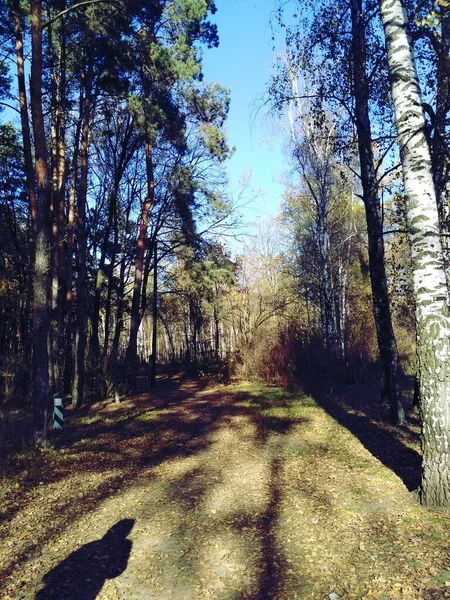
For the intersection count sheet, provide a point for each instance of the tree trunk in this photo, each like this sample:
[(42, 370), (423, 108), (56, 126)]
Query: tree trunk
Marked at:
[(430, 289), (439, 148), (122, 162), (28, 160), (68, 271), (155, 314), (110, 284), (58, 163), (169, 335), (80, 333), (216, 331), (23, 105), (146, 275), (391, 406), (95, 340), (140, 255), (121, 290), (41, 279)]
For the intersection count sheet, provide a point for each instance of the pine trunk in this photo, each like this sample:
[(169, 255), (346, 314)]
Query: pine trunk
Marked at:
[(41, 279), (139, 268), (25, 123), (28, 162), (430, 289)]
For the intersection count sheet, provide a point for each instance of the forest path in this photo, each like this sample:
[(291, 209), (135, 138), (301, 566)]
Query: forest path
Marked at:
[(227, 492)]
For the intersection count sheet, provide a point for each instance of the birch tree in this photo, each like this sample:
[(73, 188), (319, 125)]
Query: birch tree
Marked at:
[(430, 289), (340, 55)]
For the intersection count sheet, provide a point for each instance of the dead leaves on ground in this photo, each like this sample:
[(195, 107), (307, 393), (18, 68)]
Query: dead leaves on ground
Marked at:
[(310, 510)]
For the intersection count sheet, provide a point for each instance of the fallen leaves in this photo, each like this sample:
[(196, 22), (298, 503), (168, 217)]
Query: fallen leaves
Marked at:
[(234, 495)]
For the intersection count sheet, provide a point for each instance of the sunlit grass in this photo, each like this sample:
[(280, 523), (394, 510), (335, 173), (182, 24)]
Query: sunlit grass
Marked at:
[(147, 416), (90, 419)]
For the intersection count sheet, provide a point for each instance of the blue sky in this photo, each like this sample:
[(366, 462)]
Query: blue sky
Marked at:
[(243, 62)]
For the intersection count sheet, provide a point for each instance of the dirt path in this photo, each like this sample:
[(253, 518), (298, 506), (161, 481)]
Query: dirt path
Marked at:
[(226, 493)]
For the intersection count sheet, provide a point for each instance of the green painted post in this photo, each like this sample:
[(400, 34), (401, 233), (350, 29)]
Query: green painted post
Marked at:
[(58, 411)]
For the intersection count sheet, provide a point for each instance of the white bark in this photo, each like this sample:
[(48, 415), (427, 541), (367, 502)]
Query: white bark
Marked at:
[(432, 317)]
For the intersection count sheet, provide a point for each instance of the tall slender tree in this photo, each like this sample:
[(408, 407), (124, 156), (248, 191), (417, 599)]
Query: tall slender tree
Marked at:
[(430, 287), (41, 280), (331, 38), (391, 406)]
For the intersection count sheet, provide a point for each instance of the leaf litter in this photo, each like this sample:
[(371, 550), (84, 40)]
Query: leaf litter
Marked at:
[(227, 492)]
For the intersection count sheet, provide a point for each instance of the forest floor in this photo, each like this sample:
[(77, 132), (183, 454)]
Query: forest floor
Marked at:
[(226, 492)]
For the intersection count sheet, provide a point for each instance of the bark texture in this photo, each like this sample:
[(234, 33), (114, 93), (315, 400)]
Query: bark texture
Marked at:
[(81, 325), (155, 315), (430, 289), (41, 278)]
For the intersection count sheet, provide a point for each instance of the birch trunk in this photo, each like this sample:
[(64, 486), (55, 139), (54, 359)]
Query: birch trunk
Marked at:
[(430, 289)]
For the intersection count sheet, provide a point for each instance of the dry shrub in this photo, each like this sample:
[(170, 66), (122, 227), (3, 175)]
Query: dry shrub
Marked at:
[(361, 337), (272, 356), (291, 355)]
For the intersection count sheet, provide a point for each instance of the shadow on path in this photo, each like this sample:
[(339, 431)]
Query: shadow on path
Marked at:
[(116, 442), (356, 407), (82, 574), (272, 560)]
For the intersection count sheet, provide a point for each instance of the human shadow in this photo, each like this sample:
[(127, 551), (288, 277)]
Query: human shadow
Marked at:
[(82, 574), (178, 422)]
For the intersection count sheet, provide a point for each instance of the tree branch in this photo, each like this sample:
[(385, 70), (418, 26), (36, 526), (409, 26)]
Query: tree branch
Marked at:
[(74, 7), (10, 106)]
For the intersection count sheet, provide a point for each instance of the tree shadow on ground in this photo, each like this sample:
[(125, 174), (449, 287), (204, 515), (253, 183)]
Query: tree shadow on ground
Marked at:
[(82, 574), (356, 407), (189, 493), (176, 421), (272, 568)]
